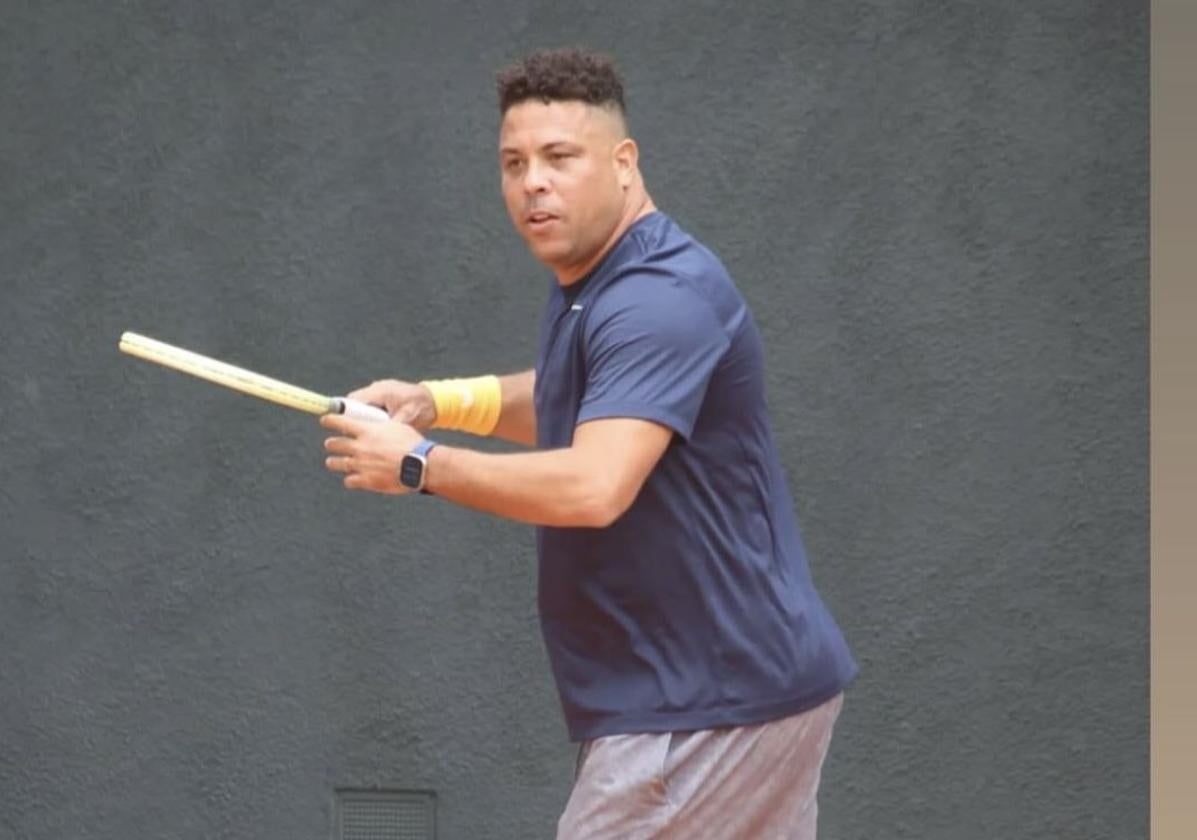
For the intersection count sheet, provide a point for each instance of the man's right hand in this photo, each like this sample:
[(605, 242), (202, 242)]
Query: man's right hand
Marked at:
[(407, 401)]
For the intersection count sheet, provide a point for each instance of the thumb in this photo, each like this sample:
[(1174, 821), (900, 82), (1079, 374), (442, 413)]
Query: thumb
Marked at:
[(373, 394)]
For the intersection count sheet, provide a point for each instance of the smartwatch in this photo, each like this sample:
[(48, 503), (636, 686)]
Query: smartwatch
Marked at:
[(413, 469)]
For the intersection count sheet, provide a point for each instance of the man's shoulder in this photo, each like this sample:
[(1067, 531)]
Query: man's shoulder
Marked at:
[(661, 241), (667, 269), (651, 290)]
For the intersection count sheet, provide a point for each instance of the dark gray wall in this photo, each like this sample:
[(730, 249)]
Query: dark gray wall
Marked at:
[(938, 211)]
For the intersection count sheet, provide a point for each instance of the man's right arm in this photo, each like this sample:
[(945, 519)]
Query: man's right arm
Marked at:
[(413, 403)]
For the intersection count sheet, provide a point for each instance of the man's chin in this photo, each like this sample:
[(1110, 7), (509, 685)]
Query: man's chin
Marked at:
[(549, 253)]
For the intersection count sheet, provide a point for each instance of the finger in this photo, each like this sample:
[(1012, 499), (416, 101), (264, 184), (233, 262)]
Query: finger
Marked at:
[(339, 463), (340, 446), (347, 426), (373, 394), (331, 421)]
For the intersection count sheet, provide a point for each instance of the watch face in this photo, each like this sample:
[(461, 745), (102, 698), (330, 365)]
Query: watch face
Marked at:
[(411, 471)]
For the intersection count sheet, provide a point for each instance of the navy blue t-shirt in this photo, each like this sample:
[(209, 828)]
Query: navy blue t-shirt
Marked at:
[(695, 608)]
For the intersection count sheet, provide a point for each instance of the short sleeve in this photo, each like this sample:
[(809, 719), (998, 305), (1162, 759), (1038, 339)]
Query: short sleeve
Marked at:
[(651, 346)]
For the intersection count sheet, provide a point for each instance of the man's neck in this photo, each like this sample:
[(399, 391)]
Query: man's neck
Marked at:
[(635, 211)]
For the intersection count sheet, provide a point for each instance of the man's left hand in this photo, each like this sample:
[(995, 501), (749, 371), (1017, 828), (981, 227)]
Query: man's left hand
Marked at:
[(367, 452)]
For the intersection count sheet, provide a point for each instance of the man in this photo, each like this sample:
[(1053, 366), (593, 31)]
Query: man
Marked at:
[(694, 660)]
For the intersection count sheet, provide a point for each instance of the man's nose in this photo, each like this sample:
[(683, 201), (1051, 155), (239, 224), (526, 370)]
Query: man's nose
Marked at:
[(536, 179)]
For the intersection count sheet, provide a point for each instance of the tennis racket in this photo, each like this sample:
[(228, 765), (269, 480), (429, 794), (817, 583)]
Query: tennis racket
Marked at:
[(245, 381)]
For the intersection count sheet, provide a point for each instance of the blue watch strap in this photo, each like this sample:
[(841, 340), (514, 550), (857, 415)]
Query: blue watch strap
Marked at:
[(422, 449)]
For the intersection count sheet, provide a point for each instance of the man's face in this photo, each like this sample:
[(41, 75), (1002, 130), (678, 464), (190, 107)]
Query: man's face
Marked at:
[(564, 169)]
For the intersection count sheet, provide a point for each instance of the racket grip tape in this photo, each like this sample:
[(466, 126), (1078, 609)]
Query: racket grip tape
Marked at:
[(359, 410)]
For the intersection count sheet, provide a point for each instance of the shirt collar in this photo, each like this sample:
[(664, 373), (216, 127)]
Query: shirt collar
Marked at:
[(615, 256)]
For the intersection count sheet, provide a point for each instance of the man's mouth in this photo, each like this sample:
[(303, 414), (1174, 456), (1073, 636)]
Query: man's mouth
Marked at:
[(539, 217)]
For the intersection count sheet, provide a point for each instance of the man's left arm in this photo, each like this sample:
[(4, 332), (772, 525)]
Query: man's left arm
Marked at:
[(588, 484), (653, 343)]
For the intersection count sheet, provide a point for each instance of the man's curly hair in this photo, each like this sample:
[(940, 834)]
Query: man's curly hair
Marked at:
[(559, 75)]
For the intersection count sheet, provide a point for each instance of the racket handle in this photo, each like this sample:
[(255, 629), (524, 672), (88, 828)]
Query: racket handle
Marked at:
[(360, 410)]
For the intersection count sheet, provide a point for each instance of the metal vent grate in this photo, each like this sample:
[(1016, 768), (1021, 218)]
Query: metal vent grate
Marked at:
[(386, 815)]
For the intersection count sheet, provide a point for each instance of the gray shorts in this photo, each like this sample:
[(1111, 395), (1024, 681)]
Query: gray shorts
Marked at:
[(752, 782)]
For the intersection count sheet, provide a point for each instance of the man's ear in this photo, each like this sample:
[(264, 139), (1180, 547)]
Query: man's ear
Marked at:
[(626, 156)]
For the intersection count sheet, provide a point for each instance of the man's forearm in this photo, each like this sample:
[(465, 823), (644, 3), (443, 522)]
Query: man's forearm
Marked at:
[(556, 487), (517, 420)]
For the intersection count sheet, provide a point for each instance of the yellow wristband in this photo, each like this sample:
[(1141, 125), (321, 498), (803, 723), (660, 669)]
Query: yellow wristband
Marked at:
[(467, 405)]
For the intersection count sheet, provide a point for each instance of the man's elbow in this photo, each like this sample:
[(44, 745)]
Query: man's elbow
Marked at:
[(602, 505)]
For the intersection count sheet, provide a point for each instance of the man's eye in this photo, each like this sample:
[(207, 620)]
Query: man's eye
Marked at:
[(512, 165), (557, 157)]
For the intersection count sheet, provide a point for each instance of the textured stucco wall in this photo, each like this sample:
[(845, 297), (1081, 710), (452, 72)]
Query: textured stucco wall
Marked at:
[(937, 210)]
